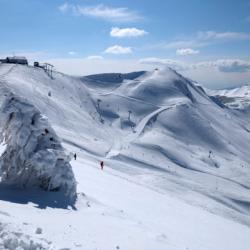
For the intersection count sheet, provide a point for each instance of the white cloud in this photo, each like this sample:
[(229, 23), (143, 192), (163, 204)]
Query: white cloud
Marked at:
[(205, 38), (225, 36), (116, 49), (222, 65), (178, 65), (227, 65), (186, 52), (127, 32), (64, 7), (72, 53), (120, 14), (95, 57), (215, 74)]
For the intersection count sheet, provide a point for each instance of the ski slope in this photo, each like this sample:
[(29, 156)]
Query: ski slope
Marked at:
[(176, 172)]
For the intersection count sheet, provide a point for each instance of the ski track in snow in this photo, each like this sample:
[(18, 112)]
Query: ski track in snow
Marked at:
[(118, 144)]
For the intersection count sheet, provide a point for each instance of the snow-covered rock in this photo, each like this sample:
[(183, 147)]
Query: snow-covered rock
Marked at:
[(16, 240), (39, 230), (33, 155)]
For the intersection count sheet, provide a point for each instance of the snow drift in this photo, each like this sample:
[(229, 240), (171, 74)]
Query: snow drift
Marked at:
[(33, 155)]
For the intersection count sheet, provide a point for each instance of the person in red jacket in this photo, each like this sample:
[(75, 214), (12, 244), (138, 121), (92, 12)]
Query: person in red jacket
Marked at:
[(102, 165)]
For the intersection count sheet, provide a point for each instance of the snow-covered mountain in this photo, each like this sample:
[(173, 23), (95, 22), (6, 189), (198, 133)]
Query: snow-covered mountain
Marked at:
[(235, 98), (176, 172)]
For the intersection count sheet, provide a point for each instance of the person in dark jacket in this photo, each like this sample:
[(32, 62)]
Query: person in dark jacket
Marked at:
[(75, 156), (102, 165)]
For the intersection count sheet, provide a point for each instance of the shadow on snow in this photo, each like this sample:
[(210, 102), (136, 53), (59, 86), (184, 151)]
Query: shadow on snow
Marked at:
[(40, 198)]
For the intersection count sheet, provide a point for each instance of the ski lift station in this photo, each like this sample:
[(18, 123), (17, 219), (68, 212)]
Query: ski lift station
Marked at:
[(48, 68), (15, 60)]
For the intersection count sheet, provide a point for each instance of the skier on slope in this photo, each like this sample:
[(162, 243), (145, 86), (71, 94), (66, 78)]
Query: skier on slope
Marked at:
[(102, 165), (75, 156)]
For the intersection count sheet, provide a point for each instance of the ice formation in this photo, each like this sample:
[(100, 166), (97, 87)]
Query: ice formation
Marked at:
[(34, 156)]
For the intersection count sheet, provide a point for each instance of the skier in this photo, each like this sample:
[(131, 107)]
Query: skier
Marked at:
[(75, 156), (102, 165), (210, 153)]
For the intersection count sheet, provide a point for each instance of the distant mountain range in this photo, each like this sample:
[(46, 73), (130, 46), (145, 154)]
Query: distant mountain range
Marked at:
[(235, 98)]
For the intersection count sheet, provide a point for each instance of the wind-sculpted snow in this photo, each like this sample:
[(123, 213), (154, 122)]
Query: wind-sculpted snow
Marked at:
[(33, 155)]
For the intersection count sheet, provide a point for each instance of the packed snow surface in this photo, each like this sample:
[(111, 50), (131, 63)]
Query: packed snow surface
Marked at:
[(176, 164)]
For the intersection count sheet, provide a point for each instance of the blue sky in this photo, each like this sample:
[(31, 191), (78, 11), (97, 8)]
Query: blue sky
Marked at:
[(208, 41)]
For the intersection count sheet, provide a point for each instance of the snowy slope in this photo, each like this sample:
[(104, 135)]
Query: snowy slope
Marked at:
[(176, 163)]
